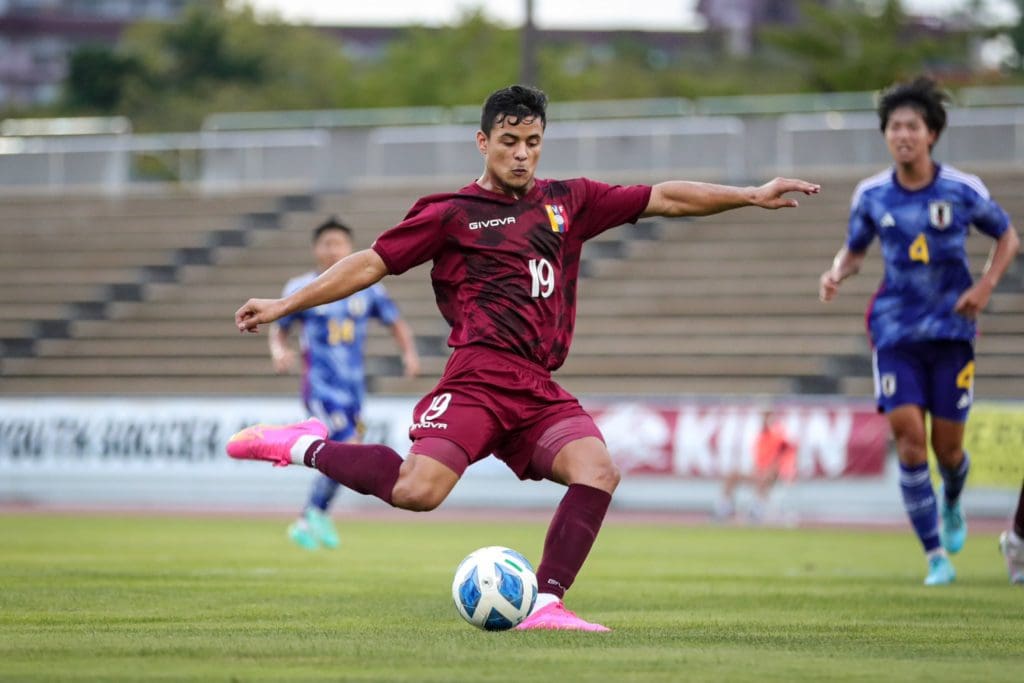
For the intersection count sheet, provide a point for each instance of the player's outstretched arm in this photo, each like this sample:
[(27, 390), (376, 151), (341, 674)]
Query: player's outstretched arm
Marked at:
[(351, 274), (686, 198)]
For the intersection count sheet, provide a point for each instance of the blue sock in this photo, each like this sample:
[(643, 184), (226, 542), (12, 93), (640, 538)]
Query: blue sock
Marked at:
[(324, 490), (919, 502), (953, 480)]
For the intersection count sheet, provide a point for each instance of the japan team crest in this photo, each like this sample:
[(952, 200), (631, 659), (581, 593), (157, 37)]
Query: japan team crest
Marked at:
[(940, 214), (558, 218)]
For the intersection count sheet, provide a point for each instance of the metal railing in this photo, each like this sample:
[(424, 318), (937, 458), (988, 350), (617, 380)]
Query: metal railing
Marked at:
[(323, 151)]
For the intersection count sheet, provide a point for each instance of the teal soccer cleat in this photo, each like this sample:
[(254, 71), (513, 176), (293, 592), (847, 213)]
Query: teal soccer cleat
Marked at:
[(940, 571), (322, 528), (953, 529), (302, 535)]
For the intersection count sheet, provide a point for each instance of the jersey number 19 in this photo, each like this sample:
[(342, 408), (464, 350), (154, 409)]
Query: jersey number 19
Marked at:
[(543, 276)]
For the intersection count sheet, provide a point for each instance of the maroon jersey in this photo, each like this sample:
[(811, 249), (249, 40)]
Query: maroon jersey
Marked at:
[(505, 269)]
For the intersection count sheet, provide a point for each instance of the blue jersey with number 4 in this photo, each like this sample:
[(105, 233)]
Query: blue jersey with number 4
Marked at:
[(922, 233), (333, 336)]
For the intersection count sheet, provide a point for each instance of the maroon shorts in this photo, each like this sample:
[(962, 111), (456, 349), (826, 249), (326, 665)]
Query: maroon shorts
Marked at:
[(490, 401)]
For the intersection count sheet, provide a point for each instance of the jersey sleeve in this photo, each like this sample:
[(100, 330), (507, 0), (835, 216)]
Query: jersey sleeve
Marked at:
[(986, 214), (861, 228), (383, 307), (604, 206), (413, 241)]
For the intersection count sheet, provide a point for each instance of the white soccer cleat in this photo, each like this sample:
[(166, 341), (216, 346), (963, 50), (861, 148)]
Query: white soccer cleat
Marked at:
[(1012, 548)]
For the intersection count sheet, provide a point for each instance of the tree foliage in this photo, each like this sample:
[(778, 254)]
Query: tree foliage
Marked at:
[(221, 57), (96, 78), (848, 48)]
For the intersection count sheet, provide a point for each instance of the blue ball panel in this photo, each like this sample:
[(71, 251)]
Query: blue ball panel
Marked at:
[(469, 593), (496, 621)]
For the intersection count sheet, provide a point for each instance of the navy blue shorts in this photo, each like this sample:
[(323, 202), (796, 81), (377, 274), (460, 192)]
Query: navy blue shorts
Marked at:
[(936, 375), (342, 419)]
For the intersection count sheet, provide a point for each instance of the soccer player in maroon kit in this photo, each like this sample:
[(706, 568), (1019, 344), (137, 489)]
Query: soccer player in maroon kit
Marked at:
[(506, 254)]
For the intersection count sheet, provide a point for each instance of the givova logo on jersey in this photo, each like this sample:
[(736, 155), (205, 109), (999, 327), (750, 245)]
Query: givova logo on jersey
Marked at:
[(438, 405)]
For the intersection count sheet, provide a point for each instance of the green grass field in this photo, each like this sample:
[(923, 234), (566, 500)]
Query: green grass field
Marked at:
[(110, 598)]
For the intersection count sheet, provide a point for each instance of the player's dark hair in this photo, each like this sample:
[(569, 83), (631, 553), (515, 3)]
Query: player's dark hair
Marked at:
[(923, 95), (332, 223), (513, 104)]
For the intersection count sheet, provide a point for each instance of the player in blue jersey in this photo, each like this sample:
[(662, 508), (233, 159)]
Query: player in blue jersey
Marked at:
[(332, 339), (923, 319)]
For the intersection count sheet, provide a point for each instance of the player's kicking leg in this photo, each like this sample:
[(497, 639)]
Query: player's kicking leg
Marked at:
[(418, 483), (277, 444)]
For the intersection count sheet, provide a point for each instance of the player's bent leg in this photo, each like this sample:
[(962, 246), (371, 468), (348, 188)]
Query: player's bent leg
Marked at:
[(907, 423), (954, 465), (274, 443), (423, 481), (586, 461), (908, 431)]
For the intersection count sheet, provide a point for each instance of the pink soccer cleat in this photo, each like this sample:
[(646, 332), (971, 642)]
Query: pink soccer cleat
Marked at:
[(273, 442), (555, 617)]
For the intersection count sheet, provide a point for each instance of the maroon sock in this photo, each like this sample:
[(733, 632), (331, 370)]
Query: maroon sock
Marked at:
[(570, 537), (1018, 519), (365, 468)]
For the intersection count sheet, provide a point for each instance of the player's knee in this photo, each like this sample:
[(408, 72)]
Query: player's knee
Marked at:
[(910, 444), (911, 448), (604, 475), (948, 454), (417, 496)]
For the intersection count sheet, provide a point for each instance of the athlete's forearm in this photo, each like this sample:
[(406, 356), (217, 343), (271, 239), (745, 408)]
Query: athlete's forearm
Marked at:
[(351, 274), (1004, 251), (277, 340), (403, 338), (846, 264), (686, 198)]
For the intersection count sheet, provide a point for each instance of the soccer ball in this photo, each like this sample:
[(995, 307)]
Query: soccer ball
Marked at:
[(494, 588)]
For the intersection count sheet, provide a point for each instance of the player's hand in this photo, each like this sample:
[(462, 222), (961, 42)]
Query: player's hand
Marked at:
[(828, 286), (256, 312), (771, 194), (410, 365), (972, 302)]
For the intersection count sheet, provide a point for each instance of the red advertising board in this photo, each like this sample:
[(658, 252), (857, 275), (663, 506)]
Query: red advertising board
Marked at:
[(711, 439)]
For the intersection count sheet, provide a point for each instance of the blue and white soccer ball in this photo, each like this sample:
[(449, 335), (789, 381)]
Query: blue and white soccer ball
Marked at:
[(494, 588)]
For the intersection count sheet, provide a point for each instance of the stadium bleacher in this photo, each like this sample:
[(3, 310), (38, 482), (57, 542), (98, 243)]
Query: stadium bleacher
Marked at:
[(134, 296)]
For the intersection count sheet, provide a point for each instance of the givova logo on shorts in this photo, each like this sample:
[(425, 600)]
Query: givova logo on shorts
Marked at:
[(438, 405)]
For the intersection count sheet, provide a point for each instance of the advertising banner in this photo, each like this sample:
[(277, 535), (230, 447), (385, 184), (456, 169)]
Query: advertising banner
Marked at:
[(693, 439), (712, 439)]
